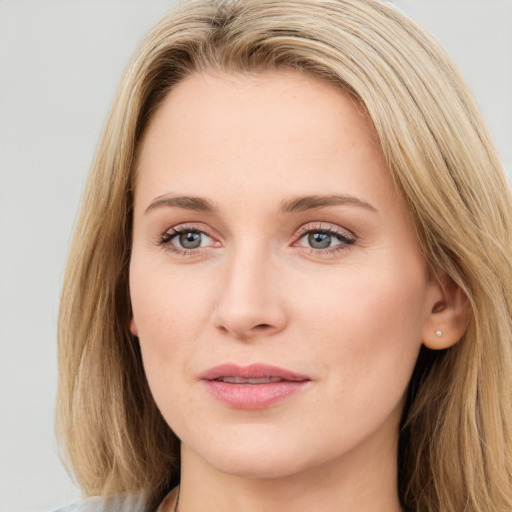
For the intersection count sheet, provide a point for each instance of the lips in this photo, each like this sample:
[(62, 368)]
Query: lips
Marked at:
[(253, 371), (242, 380), (256, 386)]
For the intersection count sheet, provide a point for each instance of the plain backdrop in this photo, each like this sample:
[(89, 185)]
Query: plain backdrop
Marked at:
[(60, 62)]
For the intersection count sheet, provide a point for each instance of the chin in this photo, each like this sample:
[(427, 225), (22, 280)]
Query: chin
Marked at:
[(257, 465), (261, 454)]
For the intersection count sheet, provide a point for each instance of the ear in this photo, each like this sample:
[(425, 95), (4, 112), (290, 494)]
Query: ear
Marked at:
[(133, 327), (449, 316)]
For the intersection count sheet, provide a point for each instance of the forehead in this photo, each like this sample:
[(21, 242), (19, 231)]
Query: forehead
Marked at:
[(258, 132), (254, 103)]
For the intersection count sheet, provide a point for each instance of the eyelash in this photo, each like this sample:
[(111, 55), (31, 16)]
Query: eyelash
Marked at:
[(167, 238), (345, 238)]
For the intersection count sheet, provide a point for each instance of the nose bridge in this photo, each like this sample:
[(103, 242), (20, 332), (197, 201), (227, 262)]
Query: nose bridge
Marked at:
[(249, 300)]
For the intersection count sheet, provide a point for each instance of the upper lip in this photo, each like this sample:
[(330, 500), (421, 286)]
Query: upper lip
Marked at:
[(252, 371)]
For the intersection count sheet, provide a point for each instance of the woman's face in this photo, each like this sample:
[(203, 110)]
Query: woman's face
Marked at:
[(268, 237)]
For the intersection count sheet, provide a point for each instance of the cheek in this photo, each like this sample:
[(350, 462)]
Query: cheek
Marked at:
[(170, 312), (377, 298), (368, 323)]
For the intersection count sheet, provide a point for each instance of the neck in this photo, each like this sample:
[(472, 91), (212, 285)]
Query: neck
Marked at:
[(362, 481)]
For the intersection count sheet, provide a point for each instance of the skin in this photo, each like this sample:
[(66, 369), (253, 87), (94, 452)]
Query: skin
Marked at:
[(351, 317)]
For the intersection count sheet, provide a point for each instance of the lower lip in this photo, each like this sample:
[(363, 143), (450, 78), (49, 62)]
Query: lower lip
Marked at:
[(253, 396)]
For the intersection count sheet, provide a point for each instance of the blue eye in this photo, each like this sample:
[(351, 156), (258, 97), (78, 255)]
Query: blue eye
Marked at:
[(189, 240), (183, 239), (322, 239)]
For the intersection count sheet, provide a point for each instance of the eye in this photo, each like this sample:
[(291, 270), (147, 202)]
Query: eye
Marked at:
[(184, 238), (189, 240), (323, 238)]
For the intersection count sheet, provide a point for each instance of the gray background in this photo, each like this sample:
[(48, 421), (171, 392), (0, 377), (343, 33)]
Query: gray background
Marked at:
[(60, 62)]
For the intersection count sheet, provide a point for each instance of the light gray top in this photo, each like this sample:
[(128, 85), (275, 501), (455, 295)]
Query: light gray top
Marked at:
[(123, 503)]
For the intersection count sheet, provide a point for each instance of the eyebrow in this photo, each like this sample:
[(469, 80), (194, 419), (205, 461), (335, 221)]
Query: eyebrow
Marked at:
[(197, 204), (301, 204)]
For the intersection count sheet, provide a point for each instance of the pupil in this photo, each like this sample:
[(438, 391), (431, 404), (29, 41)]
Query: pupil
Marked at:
[(190, 240), (319, 240)]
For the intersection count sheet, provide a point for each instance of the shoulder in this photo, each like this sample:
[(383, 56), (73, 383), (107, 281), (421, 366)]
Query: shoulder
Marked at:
[(121, 503)]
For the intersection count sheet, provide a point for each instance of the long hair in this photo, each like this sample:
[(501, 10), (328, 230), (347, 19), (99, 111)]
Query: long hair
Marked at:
[(455, 446)]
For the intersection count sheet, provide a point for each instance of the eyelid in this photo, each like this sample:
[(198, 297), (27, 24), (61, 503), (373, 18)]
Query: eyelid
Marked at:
[(327, 228), (165, 239), (345, 237), (192, 226)]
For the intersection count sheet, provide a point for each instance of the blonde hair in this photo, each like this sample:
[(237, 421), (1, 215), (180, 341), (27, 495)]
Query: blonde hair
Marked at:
[(455, 442)]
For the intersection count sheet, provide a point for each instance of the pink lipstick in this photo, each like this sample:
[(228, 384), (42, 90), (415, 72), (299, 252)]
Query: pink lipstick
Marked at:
[(252, 387)]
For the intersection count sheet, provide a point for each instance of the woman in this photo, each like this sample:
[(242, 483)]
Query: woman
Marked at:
[(290, 286)]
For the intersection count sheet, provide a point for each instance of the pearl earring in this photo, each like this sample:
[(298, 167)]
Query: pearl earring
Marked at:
[(439, 333)]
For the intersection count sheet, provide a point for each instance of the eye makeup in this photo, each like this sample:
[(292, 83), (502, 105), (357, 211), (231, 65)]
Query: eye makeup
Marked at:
[(324, 238), (317, 238), (187, 239)]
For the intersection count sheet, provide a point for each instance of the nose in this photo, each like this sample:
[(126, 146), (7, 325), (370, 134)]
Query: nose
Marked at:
[(250, 301)]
